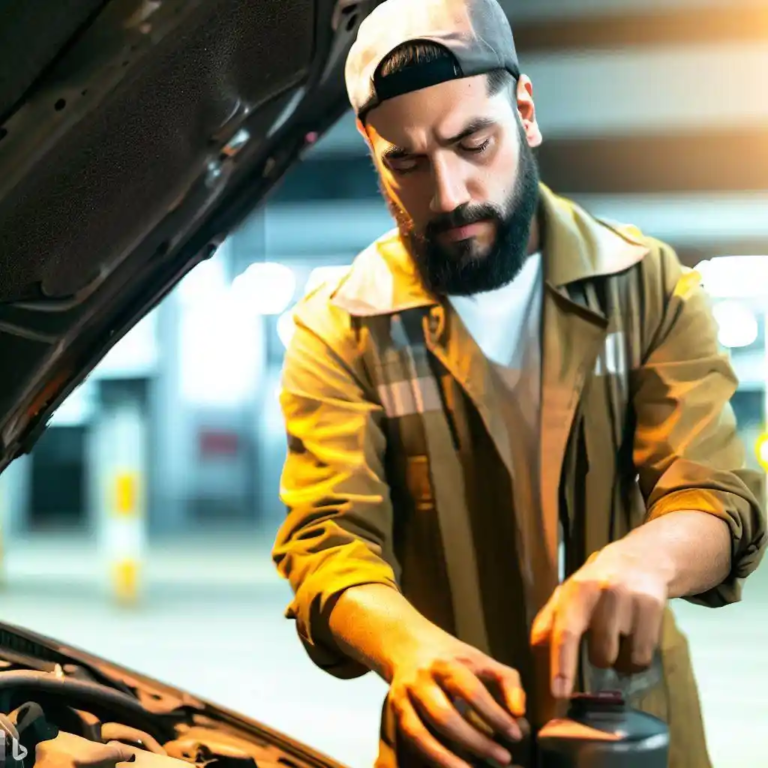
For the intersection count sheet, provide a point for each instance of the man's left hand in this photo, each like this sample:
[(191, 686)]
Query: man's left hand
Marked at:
[(616, 599)]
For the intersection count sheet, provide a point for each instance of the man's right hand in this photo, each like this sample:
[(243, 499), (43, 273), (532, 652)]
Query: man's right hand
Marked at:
[(443, 693), (432, 686)]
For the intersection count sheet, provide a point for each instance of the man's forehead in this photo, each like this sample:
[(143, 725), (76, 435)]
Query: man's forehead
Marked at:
[(411, 144), (420, 118)]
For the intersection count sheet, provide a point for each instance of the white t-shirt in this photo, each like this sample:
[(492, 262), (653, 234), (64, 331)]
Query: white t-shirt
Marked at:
[(506, 324)]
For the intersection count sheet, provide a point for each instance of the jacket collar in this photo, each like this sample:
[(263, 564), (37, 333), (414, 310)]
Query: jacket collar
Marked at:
[(576, 246)]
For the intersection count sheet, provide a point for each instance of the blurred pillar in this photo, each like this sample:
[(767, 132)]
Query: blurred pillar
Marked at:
[(14, 496), (119, 464)]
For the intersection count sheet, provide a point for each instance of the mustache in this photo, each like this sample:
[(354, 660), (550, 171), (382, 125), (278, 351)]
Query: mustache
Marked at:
[(462, 216)]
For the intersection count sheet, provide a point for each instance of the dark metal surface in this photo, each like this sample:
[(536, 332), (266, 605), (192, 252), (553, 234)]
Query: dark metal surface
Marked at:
[(141, 142)]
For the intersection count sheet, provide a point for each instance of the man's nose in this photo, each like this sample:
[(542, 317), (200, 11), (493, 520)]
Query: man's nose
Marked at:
[(450, 190)]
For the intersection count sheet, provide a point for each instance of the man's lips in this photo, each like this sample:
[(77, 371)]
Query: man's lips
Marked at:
[(463, 233)]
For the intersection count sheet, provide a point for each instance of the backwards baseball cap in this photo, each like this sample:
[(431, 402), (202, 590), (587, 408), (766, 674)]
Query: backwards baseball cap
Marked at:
[(476, 32)]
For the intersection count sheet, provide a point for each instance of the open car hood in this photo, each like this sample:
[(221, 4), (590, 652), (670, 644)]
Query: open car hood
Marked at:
[(134, 136), (85, 701)]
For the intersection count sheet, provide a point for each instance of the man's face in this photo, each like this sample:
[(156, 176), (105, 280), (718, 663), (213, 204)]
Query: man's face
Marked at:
[(458, 173)]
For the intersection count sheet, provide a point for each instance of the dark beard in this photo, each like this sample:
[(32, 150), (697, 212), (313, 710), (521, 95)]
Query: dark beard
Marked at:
[(461, 270)]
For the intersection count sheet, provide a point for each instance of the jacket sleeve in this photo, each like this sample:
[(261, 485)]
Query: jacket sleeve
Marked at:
[(337, 533), (686, 449)]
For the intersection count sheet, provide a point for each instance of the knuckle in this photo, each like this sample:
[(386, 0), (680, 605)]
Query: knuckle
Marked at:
[(409, 731), (424, 674), (564, 635), (618, 588), (397, 703), (651, 602), (583, 584), (397, 708), (441, 717), (642, 657), (439, 666), (508, 674)]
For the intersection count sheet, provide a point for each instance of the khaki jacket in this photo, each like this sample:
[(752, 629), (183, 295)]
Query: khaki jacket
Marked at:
[(399, 469)]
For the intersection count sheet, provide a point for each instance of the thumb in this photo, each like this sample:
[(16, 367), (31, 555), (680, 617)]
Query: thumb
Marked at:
[(545, 619), (121, 753)]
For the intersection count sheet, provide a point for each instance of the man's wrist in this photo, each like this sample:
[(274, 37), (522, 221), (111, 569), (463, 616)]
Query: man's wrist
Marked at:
[(689, 550), (645, 552), (377, 626)]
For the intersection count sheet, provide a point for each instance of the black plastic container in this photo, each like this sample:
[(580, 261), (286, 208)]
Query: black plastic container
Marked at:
[(601, 731)]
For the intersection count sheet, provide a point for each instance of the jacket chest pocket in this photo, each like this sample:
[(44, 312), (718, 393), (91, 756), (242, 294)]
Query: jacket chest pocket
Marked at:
[(409, 464), (419, 483)]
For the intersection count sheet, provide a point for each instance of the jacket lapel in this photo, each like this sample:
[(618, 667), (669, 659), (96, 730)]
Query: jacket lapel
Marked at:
[(572, 338)]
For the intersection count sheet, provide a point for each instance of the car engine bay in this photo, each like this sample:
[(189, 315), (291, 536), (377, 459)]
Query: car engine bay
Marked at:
[(55, 715)]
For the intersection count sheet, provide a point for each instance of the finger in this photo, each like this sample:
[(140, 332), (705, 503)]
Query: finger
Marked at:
[(121, 753), (508, 681), (106, 755), (576, 604), (437, 710), (646, 630), (611, 618), (414, 731), (463, 683), (544, 621)]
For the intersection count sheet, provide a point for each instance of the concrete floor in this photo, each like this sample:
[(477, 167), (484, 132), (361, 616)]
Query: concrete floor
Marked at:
[(211, 622)]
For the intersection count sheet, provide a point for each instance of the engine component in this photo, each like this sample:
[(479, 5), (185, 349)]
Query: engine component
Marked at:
[(90, 725), (211, 749), (143, 759), (103, 702), (27, 726), (133, 736)]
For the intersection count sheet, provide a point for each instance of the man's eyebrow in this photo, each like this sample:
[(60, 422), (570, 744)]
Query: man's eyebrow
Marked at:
[(396, 153), (475, 126)]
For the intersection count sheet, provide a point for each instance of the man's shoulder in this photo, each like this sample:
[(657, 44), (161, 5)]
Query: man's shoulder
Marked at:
[(380, 279), (656, 280), (332, 298), (661, 261), (335, 279)]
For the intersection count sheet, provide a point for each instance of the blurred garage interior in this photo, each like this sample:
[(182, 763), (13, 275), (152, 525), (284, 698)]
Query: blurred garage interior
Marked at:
[(140, 525)]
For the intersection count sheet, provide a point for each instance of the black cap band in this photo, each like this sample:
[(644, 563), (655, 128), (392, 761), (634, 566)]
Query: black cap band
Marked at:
[(414, 78)]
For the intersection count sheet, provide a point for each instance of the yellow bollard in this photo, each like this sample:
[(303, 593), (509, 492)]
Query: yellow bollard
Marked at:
[(126, 536)]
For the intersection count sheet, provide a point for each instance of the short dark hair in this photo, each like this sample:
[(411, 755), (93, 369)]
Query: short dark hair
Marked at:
[(417, 52)]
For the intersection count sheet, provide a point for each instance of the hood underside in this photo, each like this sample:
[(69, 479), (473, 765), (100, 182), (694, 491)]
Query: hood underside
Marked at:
[(134, 136)]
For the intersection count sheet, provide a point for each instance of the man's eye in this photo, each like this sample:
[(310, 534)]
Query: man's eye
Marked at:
[(477, 149), (404, 166)]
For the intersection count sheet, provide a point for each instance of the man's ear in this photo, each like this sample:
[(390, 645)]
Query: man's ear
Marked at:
[(527, 110)]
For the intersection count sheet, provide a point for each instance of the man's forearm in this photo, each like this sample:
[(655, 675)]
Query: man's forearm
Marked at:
[(691, 549), (374, 624)]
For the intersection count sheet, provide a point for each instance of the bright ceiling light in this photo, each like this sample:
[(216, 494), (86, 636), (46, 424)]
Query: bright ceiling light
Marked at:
[(737, 324), (265, 288), (735, 277), (761, 449)]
